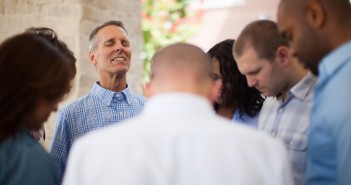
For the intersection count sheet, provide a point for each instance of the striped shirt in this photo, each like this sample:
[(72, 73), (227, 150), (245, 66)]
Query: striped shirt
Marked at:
[(289, 121), (100, 108)]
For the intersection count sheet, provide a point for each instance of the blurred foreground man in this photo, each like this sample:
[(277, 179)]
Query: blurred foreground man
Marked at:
[(320, 31)]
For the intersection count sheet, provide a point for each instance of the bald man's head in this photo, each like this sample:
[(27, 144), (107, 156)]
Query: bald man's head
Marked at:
[(181, 59), (181, 67)]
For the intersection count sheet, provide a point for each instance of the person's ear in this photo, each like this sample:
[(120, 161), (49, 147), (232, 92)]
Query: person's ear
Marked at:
[(283, 55), (315, 14), (214, 90), (92, 57), (148, 90)]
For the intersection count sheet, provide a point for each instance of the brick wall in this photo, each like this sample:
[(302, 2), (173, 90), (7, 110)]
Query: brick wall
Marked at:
[(73, 20)]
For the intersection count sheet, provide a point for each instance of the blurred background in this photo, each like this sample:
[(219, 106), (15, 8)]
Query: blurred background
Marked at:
[(200, 22), (151, 24)]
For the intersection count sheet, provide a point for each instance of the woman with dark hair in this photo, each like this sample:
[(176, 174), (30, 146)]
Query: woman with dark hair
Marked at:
[(51, 36), (236, 100), (34, 76)]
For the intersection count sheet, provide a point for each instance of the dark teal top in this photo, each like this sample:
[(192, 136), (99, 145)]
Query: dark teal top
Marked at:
[(24, 161)]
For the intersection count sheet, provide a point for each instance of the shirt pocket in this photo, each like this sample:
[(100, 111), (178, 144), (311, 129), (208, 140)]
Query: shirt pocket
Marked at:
[(297, 146)]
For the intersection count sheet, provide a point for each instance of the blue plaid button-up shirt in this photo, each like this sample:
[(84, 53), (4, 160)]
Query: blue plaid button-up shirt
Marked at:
[(290, 120), (100, 108)]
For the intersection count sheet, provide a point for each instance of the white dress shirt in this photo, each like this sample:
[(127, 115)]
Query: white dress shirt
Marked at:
[(178, 140)]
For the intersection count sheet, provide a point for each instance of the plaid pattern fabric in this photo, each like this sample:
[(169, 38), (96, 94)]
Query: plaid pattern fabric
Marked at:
[(290, 120), (100, 108)]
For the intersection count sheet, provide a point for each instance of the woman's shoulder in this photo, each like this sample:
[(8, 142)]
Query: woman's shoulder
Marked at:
[(22, 153)]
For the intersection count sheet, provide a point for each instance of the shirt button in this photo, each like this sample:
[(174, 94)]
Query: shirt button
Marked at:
[(280, 110), (274, 133)]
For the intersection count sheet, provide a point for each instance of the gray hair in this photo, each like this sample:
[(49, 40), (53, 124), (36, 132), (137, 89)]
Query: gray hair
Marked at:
[(92, 36)]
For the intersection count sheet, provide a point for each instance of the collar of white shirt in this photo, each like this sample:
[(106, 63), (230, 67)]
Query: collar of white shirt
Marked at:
[(178, 105)]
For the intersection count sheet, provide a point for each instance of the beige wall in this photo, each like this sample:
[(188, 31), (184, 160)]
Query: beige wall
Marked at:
[(73, 20)]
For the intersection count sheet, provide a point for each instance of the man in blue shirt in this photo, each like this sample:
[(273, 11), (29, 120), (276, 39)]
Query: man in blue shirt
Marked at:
[(110, 101), (320, 34)]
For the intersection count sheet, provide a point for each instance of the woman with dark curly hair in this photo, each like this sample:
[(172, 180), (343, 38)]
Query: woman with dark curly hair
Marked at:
[(34, 77), (51, 36), (236, 100)]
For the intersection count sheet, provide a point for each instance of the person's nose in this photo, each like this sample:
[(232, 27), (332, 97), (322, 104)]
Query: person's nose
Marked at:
[(119, 47), (251, 82)]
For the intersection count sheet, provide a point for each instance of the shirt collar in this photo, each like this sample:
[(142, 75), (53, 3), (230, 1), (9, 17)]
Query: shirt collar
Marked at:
[(128, 94), (304, 86), (335, 60), (106, 95), (26, 132), (177, 105)]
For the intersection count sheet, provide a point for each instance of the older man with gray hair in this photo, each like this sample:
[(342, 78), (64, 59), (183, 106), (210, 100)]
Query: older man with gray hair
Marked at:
[(110, 101)]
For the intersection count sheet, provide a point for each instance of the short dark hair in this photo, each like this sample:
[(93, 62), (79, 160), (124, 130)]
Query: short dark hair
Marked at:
[(92, 40), (263, 36), (51, 36), (246, 99), (30, 68)]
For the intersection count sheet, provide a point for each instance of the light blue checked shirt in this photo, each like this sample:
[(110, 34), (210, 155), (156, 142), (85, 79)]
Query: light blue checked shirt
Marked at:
[(289, 121), (100, 108)]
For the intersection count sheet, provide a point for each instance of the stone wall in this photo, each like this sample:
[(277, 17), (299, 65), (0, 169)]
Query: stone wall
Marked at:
[(73, 20)]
